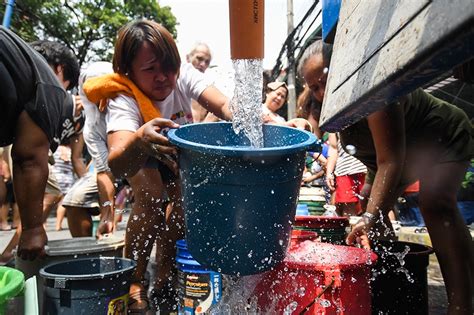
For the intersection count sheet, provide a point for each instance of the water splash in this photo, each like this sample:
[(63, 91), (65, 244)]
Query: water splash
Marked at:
[(237, 296), (246, 105)]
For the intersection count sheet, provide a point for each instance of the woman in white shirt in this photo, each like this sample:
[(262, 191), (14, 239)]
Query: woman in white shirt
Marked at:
[(146, 57)]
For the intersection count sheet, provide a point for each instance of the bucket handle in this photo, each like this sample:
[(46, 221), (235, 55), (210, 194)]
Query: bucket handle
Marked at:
[(60, 283), (315, 147), (325, 288)]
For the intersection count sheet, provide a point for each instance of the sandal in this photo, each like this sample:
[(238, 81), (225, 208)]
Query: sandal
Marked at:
[(139, 297)]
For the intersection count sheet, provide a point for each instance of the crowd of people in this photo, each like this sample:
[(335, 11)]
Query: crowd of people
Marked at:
[(122, 111)]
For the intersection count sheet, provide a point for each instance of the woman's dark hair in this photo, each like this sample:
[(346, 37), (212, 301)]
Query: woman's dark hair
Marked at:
[(316, 48), (307, 105), (57, 54), (134, 34)]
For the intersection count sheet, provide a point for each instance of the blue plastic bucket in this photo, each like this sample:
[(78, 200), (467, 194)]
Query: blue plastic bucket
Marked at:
[(239, 201), (97, 285), (198, 287)]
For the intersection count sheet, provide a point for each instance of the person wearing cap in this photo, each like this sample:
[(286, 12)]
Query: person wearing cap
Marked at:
[(275, 97)]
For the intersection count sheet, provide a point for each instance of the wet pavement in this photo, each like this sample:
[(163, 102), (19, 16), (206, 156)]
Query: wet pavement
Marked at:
[(436, 290)]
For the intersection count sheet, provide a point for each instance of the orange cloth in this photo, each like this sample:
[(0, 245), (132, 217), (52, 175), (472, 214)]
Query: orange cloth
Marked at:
[(100, 89)]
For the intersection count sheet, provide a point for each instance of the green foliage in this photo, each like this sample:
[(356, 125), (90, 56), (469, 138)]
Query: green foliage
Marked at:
[(469, 177), (88, 27)]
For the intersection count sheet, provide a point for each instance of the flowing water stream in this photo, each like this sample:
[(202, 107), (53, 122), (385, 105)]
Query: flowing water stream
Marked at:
[(246, 105)]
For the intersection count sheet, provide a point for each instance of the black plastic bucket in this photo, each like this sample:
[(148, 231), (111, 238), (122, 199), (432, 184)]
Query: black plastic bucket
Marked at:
[(400, 284), (87, 286)]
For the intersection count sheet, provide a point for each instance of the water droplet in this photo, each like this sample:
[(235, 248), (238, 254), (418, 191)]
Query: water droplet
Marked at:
[(325, 303)]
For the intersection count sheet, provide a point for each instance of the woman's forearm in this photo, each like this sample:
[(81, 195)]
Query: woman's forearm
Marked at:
[(126, 156), (331, 162), (216, 102), (384, 189)]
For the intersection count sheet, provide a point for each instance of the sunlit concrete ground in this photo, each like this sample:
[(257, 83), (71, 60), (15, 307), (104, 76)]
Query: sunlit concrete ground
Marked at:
[(436, 293)]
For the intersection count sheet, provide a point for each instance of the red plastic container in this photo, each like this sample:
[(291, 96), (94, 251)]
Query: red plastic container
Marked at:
[(318, 278), (319, 222), (330, 229), (299, 236)]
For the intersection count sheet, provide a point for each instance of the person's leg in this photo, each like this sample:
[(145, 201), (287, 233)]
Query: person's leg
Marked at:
[(449, 235), (81, 201), (4, 226), (53, 194), (348, 189), (79, 221), (16, 215), (7, 253), (347, 209), (121, 199), (60, 214), (142, 227), (49, 202), (164, 293), (170, 233)]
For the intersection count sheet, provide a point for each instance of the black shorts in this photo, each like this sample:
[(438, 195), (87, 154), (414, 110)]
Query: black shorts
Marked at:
[(10, 198), (167, 175)]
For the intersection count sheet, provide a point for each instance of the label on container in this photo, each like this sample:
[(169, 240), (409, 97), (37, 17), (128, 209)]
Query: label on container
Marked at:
[(118, 306), (198, 291)]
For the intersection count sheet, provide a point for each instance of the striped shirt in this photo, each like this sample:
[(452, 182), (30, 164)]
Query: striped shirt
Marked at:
[(347, 164)]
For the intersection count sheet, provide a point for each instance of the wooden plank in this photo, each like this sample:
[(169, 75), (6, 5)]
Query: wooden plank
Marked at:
[(385, 49)]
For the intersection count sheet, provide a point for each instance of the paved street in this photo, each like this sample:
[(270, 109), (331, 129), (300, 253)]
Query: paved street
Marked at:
[(437, 296)]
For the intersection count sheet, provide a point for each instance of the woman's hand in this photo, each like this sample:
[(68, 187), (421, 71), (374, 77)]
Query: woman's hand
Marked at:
[(158, 145), (371, 227), (267, 119), (359, 235), (300, 123), (32, 242)]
